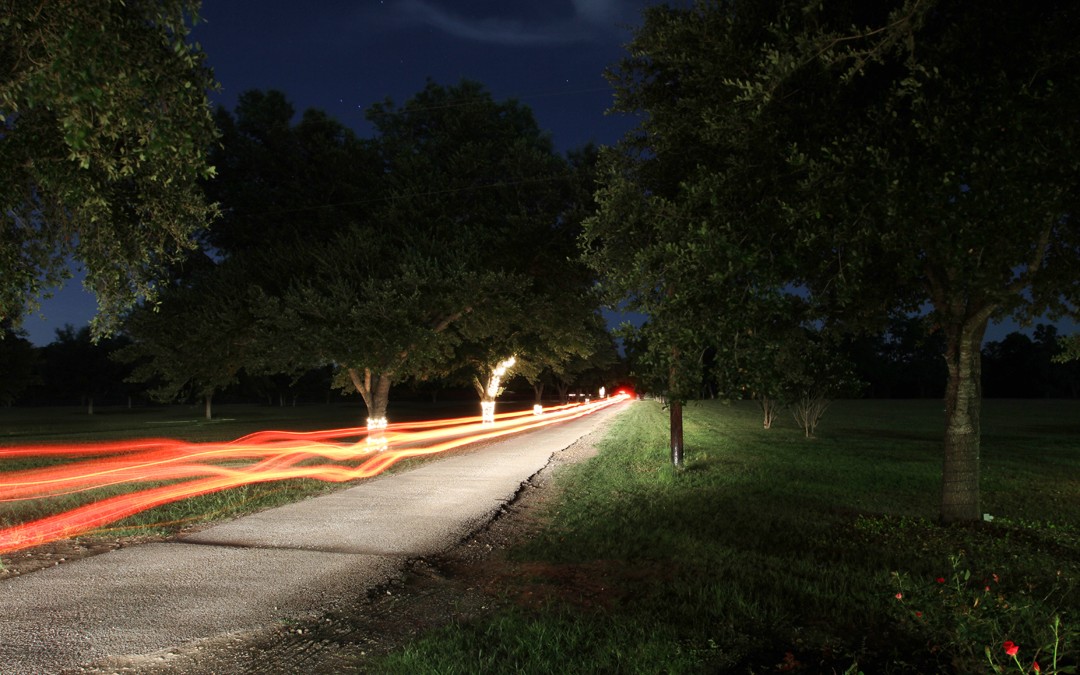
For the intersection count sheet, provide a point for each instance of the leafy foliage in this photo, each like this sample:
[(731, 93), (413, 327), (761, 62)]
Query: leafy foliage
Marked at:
[(196, 341), (76, 368), (447, 241), (18, 359), (876, 157), (104, 130)]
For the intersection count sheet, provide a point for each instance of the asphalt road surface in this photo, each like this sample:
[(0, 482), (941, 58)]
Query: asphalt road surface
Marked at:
[(286, 563)]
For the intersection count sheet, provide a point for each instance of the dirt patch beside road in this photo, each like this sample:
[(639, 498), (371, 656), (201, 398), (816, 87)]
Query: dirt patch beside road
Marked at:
[(464, 583)]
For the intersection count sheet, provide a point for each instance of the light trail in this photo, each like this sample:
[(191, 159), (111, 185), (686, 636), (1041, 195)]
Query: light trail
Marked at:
[(202, 468)]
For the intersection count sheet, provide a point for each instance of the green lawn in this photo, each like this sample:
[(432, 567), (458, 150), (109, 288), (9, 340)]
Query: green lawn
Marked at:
[(186, 422), (770, 552)]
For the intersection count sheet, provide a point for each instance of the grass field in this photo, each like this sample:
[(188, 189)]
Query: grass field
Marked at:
[(186, 422), (770, 552)]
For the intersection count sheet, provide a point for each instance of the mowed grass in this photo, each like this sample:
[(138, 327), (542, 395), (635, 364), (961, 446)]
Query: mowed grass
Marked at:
[(24, 426), (770, 552), (71, 424)]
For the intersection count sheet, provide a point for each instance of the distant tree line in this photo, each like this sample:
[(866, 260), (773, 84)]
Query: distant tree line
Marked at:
[(904, 361), (75, 370)]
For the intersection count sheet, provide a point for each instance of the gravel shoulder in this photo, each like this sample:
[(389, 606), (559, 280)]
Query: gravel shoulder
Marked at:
[(466, 582)]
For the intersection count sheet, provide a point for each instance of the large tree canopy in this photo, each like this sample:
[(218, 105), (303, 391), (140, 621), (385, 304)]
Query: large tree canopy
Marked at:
[(104, 130), (448, 238), (284, 188), (463, 255), (877, 157)]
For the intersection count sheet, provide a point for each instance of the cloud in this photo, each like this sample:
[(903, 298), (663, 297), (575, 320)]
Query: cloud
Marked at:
[(599, 12), (589, 15)]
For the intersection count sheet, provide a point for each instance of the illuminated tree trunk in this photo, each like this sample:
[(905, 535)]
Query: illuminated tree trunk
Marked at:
[(675, 405), (208, 401), (490, 389), (676, 432), (963, 399), (768, 409), (374, 388), (538, 390)]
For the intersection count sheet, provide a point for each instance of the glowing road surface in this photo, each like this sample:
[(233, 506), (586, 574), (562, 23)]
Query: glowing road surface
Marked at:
[(192, 469)]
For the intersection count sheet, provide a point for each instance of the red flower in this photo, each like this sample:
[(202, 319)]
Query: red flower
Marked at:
[(918, 615), (1035, 667), (1010, 647), (941, 580), (899, 596)]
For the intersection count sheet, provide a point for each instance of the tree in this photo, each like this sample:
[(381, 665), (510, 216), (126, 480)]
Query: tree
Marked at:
[(18, 361), (1019, 366), (458, 249), (1010, 367), (876, 156), (570, 368), (104, 129), (196, 341), (811, 374), (1070, 349), (670, 236), (77, 367), (905, 360)]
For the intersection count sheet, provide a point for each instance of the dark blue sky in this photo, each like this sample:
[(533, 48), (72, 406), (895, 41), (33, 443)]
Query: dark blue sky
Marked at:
[(341, 56)]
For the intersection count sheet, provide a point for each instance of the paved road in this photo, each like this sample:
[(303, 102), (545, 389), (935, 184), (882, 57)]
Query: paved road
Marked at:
[(288, 562)]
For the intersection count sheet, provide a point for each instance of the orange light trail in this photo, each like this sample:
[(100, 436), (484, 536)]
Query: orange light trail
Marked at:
[(203, 468)]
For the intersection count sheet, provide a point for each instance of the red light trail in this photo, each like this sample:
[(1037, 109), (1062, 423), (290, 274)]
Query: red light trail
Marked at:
[(201, 468)]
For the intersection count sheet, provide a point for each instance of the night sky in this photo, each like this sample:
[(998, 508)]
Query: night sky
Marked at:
[(341, 56), (348, 54)]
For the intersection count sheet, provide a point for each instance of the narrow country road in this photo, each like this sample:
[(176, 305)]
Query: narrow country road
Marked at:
[(278, 565)]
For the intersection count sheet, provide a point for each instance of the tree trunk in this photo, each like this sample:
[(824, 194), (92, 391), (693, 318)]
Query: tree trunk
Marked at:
[(675, 404), (90, 404), (676, 433), (375, 391), (963, 399), (768, 410), (209, 402), (538, 390)]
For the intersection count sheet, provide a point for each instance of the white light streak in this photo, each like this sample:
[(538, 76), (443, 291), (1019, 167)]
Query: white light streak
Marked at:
[(496, 376)]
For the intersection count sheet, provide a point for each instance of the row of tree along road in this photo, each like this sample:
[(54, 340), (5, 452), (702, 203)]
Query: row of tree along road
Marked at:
[(801, 176), (902, 361), (807, 171)]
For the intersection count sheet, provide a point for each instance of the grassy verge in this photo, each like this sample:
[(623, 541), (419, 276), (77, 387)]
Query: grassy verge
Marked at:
[(773, 553)]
